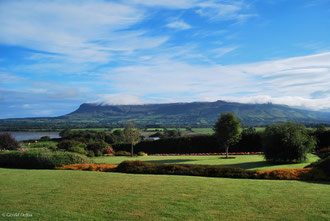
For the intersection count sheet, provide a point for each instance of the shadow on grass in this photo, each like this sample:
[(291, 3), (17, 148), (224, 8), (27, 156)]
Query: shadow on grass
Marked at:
[(250, 165), (168, 161)]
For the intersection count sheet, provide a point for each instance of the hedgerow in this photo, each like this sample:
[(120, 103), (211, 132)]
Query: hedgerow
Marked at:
[(40, 159)]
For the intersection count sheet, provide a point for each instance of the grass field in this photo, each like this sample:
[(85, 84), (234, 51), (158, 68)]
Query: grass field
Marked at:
[(241, 161), (85, 195)]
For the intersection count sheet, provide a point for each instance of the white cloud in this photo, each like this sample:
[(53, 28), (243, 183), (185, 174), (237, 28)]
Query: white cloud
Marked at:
[(295, 101), (286, 81), (179, 25), (79, 32), (119, 98)]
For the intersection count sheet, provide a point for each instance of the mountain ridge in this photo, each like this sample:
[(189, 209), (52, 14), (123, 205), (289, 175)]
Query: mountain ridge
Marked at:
[(199, 114)]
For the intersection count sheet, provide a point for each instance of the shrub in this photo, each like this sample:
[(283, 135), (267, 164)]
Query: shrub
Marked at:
[(142, 154), (219, 171), (7, 142), (67, 144), (184, 169), (322, 136), (323, 165), (43, 144), (45, 138), (285, 143), (108, 150), (40, 159), (97, 147), (122, 153), (89, 167)]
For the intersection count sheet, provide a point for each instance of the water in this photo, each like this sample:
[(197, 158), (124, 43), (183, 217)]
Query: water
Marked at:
[(21, 135)]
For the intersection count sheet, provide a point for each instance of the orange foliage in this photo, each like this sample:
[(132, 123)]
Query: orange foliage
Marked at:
[(286, 174), (90, 167)]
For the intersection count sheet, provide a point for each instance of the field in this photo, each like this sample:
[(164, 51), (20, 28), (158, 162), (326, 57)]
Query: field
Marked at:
[(241, 161), (84, 195)]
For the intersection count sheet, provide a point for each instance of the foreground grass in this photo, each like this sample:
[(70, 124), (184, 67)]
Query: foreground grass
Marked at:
[(84, 195), (240, 161)]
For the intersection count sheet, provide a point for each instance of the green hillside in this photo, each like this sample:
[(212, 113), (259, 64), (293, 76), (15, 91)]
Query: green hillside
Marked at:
[(199, 114)]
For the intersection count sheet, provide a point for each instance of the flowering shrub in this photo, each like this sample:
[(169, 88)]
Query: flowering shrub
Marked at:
[(22, 149), (89, 167), (142, 154), (109, 150)]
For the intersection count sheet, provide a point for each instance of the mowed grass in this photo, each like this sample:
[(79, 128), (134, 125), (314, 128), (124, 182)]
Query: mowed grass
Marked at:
[(240, 161), (87, 195)]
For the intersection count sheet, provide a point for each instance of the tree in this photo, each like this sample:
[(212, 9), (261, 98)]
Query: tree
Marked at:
[(132, 136), (227, 131), (287, 142), (8, 142)]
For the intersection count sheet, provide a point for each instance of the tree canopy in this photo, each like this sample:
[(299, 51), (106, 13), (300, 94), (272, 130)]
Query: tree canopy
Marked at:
[(227, 130)]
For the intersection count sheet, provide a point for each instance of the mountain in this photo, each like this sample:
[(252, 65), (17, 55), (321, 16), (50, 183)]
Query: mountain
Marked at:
[(172, 115)]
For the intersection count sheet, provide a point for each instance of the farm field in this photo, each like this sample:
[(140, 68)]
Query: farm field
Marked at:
[(85, 195), (241, 161)]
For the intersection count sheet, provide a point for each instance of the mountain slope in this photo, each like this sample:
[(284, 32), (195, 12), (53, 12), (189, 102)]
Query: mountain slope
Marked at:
[(196, 113), (171, 115)]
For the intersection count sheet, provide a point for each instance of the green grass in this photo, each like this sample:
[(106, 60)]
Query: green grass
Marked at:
[(203, 130), (85, 195), (243, 161), (40, 144)]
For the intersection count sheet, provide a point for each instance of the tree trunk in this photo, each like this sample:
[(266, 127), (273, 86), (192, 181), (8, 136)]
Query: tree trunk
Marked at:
[(227, 147), (132, 154)]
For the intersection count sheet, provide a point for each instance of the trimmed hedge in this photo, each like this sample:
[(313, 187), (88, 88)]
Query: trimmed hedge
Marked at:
[(40, 159), (185, 169), (193, 144), (140, 167)]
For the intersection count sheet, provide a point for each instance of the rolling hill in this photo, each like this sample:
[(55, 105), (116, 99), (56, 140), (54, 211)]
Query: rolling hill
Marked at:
[(171, 115)]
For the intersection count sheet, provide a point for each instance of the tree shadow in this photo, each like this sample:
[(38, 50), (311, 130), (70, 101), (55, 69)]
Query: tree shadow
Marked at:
[(250, 165), (169, 161)]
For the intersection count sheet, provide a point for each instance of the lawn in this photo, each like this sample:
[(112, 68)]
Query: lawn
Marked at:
[(241, 161), (86, 195)]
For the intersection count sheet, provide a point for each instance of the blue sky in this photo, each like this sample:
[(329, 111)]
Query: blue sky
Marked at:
[(55, 55)]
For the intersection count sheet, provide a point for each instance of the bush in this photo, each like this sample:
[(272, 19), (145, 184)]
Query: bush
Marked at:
[(142, 154), (43, 144), (89, 167), (7, 142), (285, 143), (67, 144), (40, 159), (122, 153), (322, 164), (97, 147), (45, 138), (184, 169), (322, 136)]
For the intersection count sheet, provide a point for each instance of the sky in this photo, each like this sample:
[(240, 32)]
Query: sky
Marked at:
[(58, 54)]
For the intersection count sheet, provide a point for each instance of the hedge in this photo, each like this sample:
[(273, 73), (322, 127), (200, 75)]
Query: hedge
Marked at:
[(40, 159), (192, 144)]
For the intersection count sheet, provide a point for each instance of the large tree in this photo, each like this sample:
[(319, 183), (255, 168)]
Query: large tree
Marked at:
[(132, 136), (227, 131), (287, 142)]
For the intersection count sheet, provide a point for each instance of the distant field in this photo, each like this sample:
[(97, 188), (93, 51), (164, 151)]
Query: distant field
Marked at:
[(203, 130), (93, 129), (241, 161)]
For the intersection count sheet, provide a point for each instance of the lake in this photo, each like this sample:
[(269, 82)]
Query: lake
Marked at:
[(21, 135)]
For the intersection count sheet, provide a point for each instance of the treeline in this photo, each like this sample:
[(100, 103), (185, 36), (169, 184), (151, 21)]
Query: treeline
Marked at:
[(251, 141), (97, 143)]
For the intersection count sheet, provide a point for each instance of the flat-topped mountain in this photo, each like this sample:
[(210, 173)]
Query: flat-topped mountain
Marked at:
[(175, 114)]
